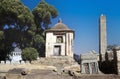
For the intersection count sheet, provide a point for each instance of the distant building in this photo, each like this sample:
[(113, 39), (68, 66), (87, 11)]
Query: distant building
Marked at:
[(59, 41), (116, 53), (89, 63), (16, 55)]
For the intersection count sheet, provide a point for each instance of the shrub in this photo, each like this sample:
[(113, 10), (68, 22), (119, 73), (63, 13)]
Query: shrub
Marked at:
[(29, 53)]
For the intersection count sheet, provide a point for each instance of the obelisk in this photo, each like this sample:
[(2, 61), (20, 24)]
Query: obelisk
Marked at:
[(102, 37)]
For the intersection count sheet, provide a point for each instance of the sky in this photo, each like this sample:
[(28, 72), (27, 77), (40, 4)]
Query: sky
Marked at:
[(83, 17)]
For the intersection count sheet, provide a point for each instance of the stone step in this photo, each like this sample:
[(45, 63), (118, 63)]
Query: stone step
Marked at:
[(59, 62)]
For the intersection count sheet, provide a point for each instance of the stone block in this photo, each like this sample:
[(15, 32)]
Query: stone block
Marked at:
[(2, 62), (15, 62), (7, 62), (22, 62), (27, 62)]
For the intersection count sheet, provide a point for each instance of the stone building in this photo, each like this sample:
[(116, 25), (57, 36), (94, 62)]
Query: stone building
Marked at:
[(89, 63), (59, 41), (117, 59)]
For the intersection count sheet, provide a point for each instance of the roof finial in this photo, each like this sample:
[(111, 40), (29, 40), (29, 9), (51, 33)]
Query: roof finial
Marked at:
[(60, 20), (102, 14), (42, 0)]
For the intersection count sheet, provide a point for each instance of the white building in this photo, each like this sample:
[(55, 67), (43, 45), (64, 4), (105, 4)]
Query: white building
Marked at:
[(16, 55), (59, 41)]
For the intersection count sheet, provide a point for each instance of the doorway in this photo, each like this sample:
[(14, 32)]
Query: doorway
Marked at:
[(57, 50)]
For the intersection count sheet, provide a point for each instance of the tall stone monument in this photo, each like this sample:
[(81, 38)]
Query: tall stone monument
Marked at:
[(102, 37)]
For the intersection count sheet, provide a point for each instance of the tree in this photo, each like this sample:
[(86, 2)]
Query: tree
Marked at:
[(16, 25), (29, 54), (21, 27), (77, 58), (43, 13), (2, 52), (39, 42)]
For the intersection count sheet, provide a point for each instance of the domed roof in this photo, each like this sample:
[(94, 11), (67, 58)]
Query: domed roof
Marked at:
[(60, 26)]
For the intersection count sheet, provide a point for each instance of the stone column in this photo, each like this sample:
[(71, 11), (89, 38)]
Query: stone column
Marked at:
[(102, 37)]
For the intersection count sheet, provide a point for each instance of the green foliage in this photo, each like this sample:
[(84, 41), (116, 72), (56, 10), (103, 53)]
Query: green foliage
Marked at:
[(43, 13), (29, 54), (13, 11), (39, 44), (38, 39), (18, 25), (1, 35)]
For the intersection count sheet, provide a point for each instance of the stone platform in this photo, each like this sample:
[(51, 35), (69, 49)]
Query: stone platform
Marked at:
[(60, 62)]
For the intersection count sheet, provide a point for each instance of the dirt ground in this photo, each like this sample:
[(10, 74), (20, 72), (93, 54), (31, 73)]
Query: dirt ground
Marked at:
[(6, 68), (46, 72), (98, 76), (49, 74)]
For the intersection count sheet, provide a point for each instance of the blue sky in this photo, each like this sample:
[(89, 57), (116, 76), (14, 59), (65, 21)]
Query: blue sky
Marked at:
[(83, 17)]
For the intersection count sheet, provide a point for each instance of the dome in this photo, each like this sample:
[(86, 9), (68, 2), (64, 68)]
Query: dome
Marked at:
[(60, 26)]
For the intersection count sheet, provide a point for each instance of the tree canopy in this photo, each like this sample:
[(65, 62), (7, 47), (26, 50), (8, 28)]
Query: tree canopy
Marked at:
[(43, 13), (20, 26), (16, 25), (18, 20)]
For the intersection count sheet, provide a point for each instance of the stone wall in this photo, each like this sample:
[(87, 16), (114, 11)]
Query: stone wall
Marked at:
[(10, 62)]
